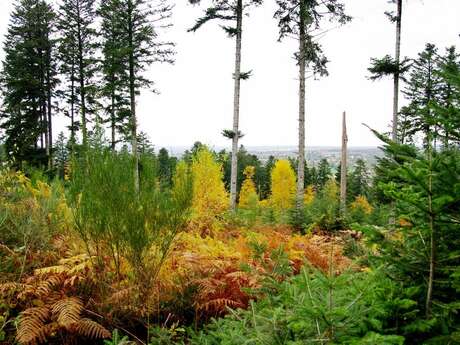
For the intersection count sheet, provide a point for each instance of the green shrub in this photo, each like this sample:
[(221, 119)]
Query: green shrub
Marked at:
[(111, 216), (311, 308), (322, 213)]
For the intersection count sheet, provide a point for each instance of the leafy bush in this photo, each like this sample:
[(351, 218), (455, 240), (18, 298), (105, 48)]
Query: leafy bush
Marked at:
[(321, 213), (359, 210)]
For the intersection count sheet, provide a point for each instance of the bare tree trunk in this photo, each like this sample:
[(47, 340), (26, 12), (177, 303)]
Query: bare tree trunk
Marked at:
[(112, 119), (45, 129), (343, 164), (49, 109), (432, 236), (132, 93), (82, 83), (301, 148), (50, 132), (72, 107), (41, 130), (236, 105), (45, 117), (394, 133)]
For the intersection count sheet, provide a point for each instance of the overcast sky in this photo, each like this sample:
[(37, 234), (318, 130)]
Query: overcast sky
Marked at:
[(196, 100)]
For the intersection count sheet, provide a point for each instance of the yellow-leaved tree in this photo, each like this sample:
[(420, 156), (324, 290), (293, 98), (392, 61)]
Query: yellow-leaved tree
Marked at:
[(283, 185), (361, 204), (210, 199), (309, 195), (248, 192)]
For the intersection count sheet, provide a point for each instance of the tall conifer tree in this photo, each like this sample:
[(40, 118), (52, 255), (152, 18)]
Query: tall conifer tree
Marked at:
[(78, 47), (141, 22), (422, 90), (114, 69), (231, 11), (28, 82), (302, 18), (395, 67)]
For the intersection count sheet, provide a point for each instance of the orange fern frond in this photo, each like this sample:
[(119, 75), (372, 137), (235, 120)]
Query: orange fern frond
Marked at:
[(220, 304), (45, 287), (67, 311), (90, 329), (121, 295), (31, 328), (11, 287), (50, 270)]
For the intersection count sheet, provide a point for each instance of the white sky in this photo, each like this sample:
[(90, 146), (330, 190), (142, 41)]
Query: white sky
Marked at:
[(196, 100)]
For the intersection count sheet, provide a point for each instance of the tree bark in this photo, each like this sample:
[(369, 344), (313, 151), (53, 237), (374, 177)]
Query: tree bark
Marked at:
[(81, 75), (50, 126), (132, 94), (394, 134), (49, 108), (44, 106), (343, 165), (236, 105), (72, 107), (112, 119), (432, 259), (301, 148)]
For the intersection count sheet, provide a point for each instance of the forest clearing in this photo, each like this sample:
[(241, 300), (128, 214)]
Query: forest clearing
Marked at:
[(106, 240)]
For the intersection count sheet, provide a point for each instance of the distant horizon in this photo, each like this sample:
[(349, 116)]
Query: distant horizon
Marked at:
[(268, 147)]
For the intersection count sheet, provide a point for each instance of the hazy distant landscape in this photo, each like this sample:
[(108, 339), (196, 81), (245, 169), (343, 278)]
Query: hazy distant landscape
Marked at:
[(313, 154)]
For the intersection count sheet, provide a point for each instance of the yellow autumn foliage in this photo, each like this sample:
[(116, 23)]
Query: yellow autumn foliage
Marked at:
[(283, 185), (35, 212), (361, 204), (248, 193), (181, 182), (210, 199), (309, 195)]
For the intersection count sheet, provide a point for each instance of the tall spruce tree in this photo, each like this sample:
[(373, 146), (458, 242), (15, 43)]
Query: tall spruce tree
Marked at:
[(422, 252), (114, 69), (28, 83), (422, 90), (61, 156), (79, 64), (231, 11), (447, 107), (141, 22), (359, 180), (302, 18), (323, 173), (388, 66)]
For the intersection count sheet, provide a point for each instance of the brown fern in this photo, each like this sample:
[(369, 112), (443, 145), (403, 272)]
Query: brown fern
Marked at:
[(31, 328), (67, 311), (90, 329)]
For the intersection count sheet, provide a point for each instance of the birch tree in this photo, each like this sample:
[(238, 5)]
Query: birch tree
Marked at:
[(302, 20), (230, 11)]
